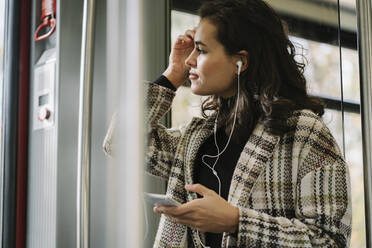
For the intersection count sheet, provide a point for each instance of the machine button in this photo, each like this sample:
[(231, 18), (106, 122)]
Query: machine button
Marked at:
[(44, 114)]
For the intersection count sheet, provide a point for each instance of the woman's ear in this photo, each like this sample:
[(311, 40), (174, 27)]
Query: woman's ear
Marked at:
[(242, 56)]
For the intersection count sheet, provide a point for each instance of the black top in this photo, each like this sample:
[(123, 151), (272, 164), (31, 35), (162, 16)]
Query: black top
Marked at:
[(225, 165), (225, 168)]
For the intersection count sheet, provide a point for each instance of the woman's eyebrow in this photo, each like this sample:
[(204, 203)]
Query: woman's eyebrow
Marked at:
[(198, 42)]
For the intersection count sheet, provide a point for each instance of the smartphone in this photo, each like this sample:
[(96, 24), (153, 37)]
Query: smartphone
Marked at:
[(160, 200)]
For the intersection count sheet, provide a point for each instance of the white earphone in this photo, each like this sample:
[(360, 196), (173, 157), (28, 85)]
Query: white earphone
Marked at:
[(239, 64)]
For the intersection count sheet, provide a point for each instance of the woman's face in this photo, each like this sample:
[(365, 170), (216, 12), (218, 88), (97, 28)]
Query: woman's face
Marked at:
[(212, 71)]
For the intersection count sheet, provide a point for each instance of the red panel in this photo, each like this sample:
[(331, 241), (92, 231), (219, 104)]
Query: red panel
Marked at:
[(23, 121)]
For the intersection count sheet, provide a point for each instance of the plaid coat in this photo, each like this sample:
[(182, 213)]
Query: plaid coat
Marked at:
[(291, 190)]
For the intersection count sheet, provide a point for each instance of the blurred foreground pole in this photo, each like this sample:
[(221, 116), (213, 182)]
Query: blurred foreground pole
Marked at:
[(124, 70), (85, 126)]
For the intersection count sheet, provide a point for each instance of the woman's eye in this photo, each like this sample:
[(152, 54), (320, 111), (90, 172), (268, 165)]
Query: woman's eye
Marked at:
[(199, 50)]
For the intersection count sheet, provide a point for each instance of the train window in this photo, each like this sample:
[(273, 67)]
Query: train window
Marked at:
[(350, 68), (322, 72), (354, 157), (344, 3)]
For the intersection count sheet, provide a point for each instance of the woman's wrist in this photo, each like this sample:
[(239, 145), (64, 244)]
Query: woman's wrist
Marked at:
[(175, 79), (163, 81), (235, 220)]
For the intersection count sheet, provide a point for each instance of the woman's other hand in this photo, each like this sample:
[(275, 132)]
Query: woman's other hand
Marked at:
[(177, 70), (208, 214)]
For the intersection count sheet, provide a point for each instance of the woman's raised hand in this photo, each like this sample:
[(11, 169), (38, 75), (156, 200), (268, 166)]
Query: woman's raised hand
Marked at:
[(177, 70)]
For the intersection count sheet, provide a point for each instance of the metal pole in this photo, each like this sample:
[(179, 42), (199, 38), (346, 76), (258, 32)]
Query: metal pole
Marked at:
[(10, 123), (84, 143), (124, 68), (131, 133), (365, 57)]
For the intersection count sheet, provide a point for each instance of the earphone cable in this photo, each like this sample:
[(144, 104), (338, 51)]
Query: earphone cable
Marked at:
[(231, 132), (218, 154), (218, 150)]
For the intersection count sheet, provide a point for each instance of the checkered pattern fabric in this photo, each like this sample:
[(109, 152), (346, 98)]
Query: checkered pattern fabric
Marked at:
[(291, 190)]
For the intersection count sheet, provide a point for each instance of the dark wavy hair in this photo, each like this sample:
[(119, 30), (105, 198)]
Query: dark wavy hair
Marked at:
[(273, 85)]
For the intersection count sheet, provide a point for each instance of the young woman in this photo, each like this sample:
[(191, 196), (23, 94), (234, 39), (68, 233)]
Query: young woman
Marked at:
[(261, 169)]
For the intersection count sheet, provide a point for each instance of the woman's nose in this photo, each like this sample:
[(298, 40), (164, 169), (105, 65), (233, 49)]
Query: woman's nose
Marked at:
[(191, 60)]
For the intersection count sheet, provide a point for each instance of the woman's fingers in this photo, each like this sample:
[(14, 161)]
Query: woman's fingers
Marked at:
[(190, 33), (187, 37), (181, 49), (183, 42)]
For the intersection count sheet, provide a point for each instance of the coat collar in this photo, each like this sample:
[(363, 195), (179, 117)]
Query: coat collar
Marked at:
[(201, 129), (256, 153)]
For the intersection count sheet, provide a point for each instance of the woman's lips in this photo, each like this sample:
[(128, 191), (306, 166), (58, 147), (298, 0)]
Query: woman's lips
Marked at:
[(193, 76)]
